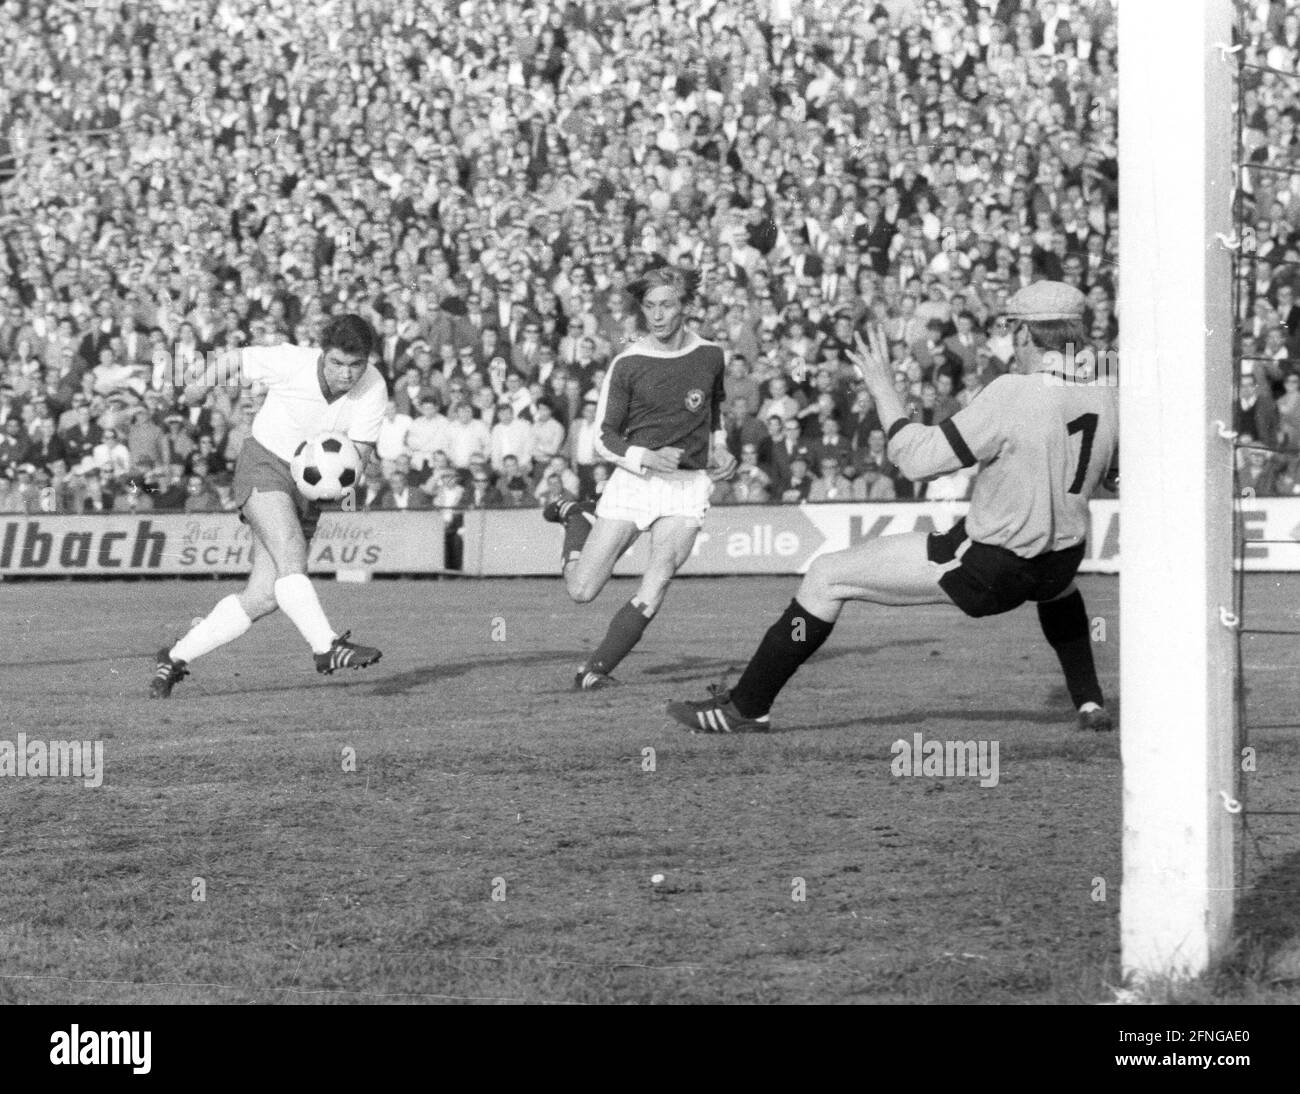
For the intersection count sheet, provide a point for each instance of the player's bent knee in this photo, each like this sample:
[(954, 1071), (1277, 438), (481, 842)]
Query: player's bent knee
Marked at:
[(818, 578), (1069, 590)]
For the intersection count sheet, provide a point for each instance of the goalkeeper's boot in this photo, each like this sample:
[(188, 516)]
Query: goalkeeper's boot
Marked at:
[(1096, 719), (167, 674), (716, 714), (343, 654), (588, 680)]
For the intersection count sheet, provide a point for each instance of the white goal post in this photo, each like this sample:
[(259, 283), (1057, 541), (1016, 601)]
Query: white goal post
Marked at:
[(1176, 149)]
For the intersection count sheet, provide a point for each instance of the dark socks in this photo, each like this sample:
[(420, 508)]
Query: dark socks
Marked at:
[(1065, 625), (625, 631), (789, 642), (576, 530)]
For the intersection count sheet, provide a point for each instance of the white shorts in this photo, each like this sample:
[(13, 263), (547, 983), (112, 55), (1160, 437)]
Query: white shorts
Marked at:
[(643, 499)]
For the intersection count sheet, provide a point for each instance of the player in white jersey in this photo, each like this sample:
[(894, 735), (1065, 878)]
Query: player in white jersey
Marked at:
[(308, 391), (1043, 440)]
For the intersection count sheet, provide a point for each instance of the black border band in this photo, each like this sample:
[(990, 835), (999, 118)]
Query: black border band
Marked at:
[(959, 447)]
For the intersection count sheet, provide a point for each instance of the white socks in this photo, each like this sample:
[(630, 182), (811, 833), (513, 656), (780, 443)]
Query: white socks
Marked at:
[(226, 622), (297, 599)]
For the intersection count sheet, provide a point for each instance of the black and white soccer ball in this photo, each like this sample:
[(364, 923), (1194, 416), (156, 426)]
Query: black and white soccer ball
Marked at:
[(326, 467)]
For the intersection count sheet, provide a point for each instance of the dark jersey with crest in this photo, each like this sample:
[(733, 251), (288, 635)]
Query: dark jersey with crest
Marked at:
[(654, 398)]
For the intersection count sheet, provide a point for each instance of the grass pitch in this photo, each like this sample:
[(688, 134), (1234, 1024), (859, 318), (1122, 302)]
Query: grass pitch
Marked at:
[(456, 825)]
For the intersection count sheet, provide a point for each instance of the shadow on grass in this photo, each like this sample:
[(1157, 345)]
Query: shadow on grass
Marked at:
[(1267, 929), (1038, 717), (688, 668), (105, 659)]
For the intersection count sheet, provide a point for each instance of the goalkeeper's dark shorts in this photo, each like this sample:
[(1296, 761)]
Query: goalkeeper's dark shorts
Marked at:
[(258, 468), (985, 580)]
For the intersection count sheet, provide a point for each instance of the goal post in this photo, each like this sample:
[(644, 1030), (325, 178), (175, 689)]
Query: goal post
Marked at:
[(1176, 150)]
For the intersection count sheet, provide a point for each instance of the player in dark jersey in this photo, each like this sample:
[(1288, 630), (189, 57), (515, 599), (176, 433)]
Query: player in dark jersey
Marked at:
[(660, 415), (1043, 440)]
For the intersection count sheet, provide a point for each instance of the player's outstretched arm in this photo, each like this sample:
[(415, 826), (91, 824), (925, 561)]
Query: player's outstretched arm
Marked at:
[(871, 359), (923, 452), (221, 368)]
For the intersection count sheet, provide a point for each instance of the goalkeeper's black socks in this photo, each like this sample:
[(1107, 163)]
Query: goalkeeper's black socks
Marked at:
[(625, 631), (1065, 624), (789, 642)]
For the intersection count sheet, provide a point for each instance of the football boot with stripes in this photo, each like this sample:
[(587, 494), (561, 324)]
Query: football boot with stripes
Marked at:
[(166, 674), (562, 509), (588, 680), (716, 714), (343, 654)]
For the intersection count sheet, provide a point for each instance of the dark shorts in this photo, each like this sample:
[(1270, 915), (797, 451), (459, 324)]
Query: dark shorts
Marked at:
[(260, 469), (990, 580)]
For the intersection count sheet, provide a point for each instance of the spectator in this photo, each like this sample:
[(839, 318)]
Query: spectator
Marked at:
[(146, 439), (510, 438), (741, 385), (945, 404), (551, 488), (517, 494), (20, 494), (179, 441), (481, 493), (111, 456), (905, 167), (545, 439), (800, 482), (205, 461), (1257, 474), (741, 425), (1288, 413), (428, 434), (135, 496), (580, 448), (467, 437), (170, 487), (397, 492), (751, 484), (44, 445), (13, 444), (779, 401), (873, 485), (393, 431), (782, 455), (832, 485), (89, 493), (832, 446), (1255, 413), (201, 496)]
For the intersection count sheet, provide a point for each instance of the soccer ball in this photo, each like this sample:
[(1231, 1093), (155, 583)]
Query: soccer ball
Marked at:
[(325, 467)]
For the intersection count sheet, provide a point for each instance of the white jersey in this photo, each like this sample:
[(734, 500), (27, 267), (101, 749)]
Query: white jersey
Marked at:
[(296, 408)]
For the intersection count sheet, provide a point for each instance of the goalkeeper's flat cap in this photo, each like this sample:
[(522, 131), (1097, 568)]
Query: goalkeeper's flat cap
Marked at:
[(1046, 300)]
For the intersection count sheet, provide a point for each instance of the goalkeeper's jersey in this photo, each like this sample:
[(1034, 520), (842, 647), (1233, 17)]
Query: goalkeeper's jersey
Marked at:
[(297, 408), (1042, 445)]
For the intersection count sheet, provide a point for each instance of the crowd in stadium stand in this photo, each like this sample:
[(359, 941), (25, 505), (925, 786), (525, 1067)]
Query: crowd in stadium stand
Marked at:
[(481, 179)]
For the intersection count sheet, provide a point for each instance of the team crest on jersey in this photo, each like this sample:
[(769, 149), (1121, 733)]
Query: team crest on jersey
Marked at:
[(694, 399)]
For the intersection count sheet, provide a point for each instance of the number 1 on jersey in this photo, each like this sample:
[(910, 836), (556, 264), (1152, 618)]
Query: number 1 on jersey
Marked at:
[(1087, 425)]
